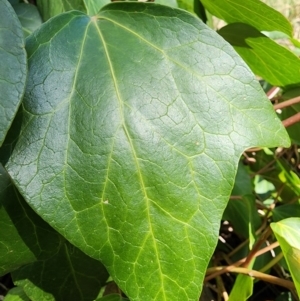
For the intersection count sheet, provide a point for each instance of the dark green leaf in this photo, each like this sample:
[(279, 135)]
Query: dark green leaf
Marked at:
[(242, 212), (243, 216), (264, 56), (29, 17), (200, 10), (130, 146), (286, 211), (49, 9), (13, 2), (13, 66), (67, 275), (252, 12), (172, 3), (25, 237)]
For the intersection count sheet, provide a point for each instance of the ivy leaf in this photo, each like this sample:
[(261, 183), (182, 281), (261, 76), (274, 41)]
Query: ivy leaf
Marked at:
[(131, 137), (264, 56), (13, 66), (252, 12)]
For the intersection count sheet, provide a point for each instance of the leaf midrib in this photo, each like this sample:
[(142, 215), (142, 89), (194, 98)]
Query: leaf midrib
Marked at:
[(133, 152)]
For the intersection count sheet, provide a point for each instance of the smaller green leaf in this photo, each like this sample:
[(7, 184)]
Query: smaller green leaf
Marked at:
[(29, 17), (13, 66), (242, 289), (16, 294), (49, 9), (242, 213), (171, 3), (187, 5), (25, 237), (93, 6), (264, 56), (287, 233), (252, 12), (199, 10)]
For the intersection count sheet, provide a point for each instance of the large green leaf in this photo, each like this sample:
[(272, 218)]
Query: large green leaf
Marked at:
[(264, 56), (252, 12), (13, 66), (49, 9), (287, 233), (131, 136)]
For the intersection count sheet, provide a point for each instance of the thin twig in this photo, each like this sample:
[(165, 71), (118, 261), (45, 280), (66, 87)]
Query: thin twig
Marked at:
[(216, 271), (287, 103), (291, 120)]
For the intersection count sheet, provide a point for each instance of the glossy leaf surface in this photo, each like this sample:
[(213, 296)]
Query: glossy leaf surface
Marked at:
[(264, 56), (13, 66), (287, 233), (282, 212), (131, 138), (252, 12)]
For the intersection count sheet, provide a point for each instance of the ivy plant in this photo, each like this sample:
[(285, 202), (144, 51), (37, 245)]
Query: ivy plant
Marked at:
[(122, 126)]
